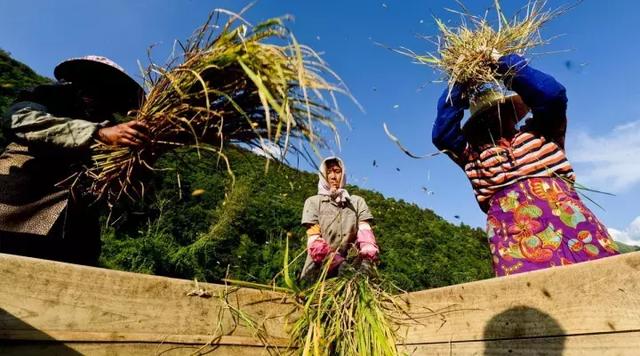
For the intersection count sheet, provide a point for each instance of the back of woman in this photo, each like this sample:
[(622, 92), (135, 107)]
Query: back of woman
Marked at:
[(521, 177)]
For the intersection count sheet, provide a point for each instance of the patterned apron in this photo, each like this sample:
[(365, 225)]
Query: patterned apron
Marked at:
[(541, 222)]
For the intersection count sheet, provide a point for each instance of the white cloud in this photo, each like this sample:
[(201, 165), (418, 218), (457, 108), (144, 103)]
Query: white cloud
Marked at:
[(608, 160), (630, 235), (269, 150)]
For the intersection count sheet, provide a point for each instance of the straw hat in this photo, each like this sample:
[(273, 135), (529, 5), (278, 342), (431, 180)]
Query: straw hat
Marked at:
[(510, 103), (103, 73)]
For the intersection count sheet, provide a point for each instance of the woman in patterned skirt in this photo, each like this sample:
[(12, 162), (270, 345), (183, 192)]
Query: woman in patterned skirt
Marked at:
[(520, 176)]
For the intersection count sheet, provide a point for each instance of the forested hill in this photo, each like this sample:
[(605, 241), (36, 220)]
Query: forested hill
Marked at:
[(14, 76), (245, 228)]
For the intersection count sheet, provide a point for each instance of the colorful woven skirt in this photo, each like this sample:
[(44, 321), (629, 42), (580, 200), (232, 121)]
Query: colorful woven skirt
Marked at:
[(541, 222)]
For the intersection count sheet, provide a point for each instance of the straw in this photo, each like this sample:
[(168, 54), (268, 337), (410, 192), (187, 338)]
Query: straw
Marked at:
[(468, 54), (231, 84)]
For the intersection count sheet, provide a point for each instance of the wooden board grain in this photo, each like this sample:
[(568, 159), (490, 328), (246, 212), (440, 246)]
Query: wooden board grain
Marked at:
[(596, 297), (624, 343), (112, 349), (45, 300), (55, 308)]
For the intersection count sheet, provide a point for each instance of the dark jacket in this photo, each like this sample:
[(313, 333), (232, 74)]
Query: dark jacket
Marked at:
[(38, 213)]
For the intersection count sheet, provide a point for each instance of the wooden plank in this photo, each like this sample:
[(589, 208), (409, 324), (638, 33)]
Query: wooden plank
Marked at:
[(626, 343), (44, 299), (44, 303), (593, 297), (100, 349), (596, 344), (111, 337)]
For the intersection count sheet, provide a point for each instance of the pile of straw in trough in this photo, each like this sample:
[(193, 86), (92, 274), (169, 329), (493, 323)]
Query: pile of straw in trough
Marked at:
[(466, 54), (351, 314), (233, 83)]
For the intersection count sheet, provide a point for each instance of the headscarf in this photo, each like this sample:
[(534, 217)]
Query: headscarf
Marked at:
[(339, 195)]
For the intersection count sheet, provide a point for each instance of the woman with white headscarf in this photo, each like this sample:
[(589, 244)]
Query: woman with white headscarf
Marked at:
[(336, 221)]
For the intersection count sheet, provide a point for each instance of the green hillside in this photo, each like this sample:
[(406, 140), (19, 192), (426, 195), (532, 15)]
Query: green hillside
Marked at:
[(246, 231), (624, 248), (14, 76)]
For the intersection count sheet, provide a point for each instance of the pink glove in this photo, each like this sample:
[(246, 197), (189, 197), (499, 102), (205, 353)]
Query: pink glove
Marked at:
[(366, 242), (318, 249)]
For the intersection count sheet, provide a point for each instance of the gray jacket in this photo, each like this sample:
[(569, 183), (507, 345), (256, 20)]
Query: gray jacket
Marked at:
[(338, 223), (44, 152)]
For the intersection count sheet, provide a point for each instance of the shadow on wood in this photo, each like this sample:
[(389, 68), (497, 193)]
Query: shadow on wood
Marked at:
[(590, 308), (12, 331), (506, 332)]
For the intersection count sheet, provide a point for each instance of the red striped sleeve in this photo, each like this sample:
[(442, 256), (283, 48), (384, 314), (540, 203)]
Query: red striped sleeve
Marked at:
[(525, 156)]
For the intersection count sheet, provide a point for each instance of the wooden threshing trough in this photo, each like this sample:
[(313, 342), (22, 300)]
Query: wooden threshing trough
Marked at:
[(62, 309)]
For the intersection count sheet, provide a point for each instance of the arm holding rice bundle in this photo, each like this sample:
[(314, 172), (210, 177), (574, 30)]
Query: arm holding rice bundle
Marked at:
[(32, 123), (446, 134), (544, 95), (132, 133), (366, 242), (317, 247)]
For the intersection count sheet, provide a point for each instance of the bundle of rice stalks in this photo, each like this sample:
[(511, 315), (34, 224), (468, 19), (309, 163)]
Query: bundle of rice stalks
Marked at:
[(351, 314), (231, 84), (467, 54)]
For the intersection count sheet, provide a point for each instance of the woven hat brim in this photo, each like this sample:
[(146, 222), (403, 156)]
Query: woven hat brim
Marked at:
[(511, 101), (87, 73)]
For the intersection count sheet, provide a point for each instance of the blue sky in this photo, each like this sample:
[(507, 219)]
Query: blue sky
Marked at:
[(597, 64)]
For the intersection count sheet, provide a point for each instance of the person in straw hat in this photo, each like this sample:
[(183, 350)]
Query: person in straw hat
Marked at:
[(51, 128), (335, 222), (520, 175)]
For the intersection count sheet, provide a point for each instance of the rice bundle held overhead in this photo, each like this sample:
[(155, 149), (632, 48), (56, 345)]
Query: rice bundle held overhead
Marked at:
[(234, 83), (467, 54)]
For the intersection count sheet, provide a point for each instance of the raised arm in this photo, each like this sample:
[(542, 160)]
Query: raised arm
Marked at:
[(544, 95), (447, 134)]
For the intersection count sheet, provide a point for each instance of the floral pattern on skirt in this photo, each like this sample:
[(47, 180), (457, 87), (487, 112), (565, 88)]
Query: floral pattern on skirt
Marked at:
[(541, 222)]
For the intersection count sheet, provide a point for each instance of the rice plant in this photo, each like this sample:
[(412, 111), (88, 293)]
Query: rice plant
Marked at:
[(350, 314), (230, 84), (467, 54)]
